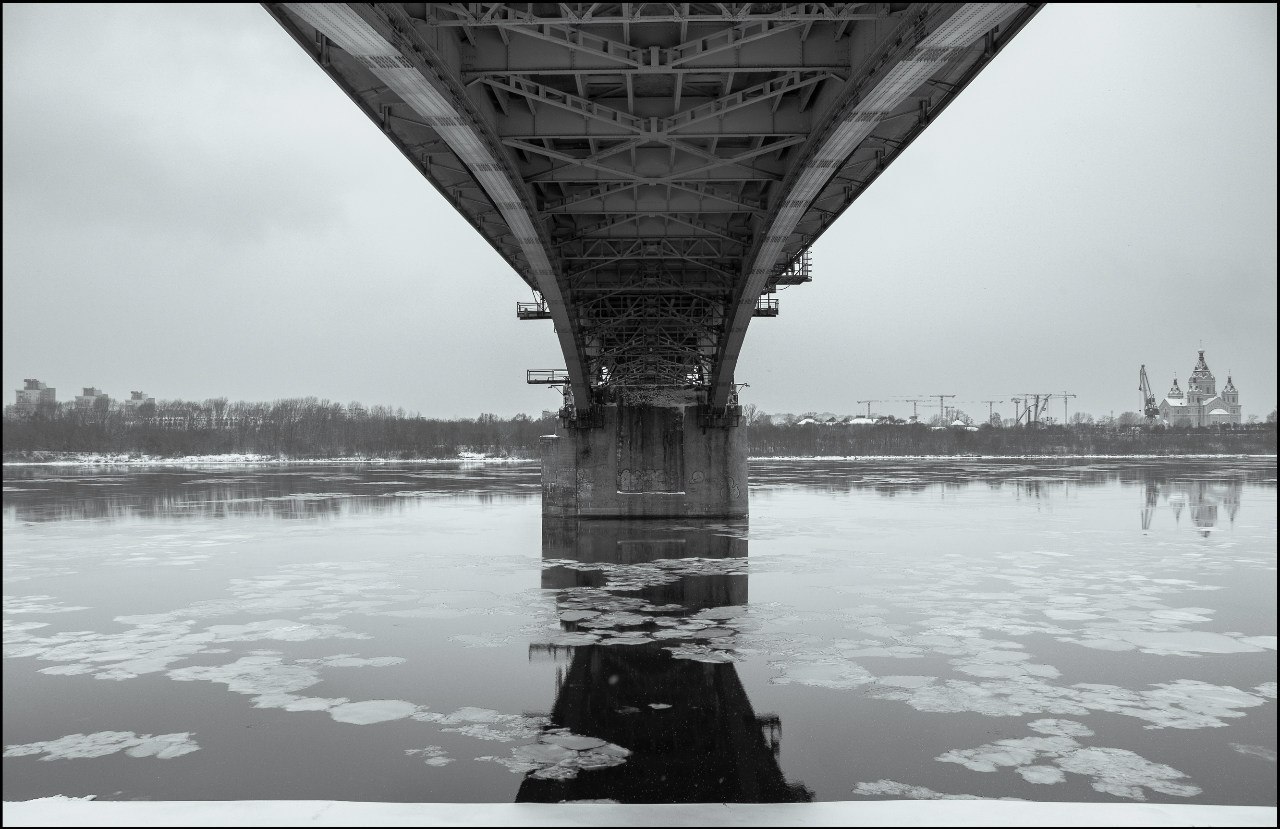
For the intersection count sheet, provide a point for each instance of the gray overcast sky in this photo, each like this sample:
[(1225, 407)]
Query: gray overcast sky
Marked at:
[(192, 208)]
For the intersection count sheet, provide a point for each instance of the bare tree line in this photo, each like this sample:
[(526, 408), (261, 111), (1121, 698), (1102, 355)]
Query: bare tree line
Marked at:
[(312, 428), (294, 427), (818, 439)]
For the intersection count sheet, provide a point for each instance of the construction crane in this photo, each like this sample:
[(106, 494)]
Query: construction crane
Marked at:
[(1149, 407), (991, 413), (1038, 407), (1064, 397), (915, 410), (1033, 405), (942, 412), (869, 402)]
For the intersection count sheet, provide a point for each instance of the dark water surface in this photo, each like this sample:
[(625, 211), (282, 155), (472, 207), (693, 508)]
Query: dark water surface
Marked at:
[(1072, 630)]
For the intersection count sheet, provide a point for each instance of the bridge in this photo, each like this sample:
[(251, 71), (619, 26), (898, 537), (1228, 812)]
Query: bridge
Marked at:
[(654, 172)]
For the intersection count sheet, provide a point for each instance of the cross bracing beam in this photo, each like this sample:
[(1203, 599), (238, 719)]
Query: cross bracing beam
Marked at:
[(571, 173), (614, 14), (649, 203), (539, 68), (626, 191), (624, 157), (682, 247), (596, 160)]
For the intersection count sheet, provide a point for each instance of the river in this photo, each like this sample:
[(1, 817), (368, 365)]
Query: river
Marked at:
[(1082, 630)]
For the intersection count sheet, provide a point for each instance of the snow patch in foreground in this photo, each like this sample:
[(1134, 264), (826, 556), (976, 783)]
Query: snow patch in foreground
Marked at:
[(64, 811)]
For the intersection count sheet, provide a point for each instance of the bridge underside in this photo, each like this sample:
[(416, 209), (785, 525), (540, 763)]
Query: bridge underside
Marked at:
[(653, 171)]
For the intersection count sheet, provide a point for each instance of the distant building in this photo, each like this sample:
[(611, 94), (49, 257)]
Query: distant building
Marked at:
[(1201, 405), (136, 399), (34, 395), (91, 397)]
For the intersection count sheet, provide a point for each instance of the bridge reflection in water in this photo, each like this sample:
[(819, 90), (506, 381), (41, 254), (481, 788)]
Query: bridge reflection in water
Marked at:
[(673, 698)]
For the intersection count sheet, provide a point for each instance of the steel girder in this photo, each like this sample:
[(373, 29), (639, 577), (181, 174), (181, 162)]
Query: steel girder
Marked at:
[(651, 168)]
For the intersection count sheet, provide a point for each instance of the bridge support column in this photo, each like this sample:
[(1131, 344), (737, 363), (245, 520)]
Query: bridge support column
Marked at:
[(646, 462)]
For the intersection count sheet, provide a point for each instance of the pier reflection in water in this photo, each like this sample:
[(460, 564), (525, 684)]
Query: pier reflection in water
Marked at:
[(654, 609)]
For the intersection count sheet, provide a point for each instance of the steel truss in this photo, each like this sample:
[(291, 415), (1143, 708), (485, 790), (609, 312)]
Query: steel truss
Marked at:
[(652, 169)]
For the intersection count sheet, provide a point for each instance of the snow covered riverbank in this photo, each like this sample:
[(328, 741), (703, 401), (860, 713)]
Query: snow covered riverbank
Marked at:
[(60, 811), (99, 459)]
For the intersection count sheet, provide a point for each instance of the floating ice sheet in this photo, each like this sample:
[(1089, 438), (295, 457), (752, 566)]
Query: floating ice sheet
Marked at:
[(372, 711), (1047, 760), (431, 755), (561, 755), (102, 743), (894, 789)]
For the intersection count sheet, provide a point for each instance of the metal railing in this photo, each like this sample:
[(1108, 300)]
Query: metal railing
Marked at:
[(766, 306), (533, 311), (546, 376), (796, 272)]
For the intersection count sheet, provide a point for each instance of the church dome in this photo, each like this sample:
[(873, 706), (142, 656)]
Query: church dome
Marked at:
[(1175, 392), (1230, 386), (1200, 372)]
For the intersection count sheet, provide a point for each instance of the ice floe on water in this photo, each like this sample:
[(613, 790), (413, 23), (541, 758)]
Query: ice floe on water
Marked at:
[(431, 755), (153, 642), (702, 653), (1047, 760), (1061, 728), (561, 755), (906, 681), (483, 640), (283, 630), (271, 681), (1261, 752), (894, 789), (252, 675), (1171, 643), (36, 604), (600, 616), (292, 702), (17, 631), (102, 743), (822, 674), (486, 724), (661, 571), (372, 711), (351, 660), (1182, 704)]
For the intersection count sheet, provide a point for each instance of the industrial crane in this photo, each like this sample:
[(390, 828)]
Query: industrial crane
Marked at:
[(1149, 407), (1033, 405)]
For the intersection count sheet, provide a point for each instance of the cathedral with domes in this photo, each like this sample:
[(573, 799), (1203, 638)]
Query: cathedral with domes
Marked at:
[(1201, 405)]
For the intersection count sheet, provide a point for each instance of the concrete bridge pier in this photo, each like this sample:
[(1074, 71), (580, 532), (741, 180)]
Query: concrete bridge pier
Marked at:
[(646, 462)]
